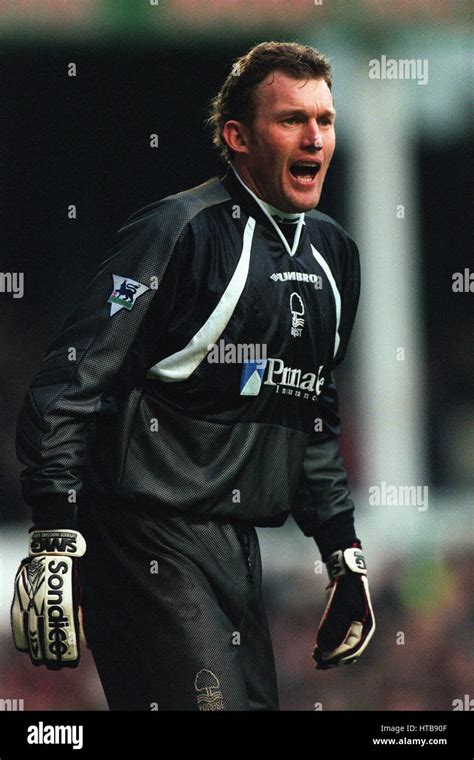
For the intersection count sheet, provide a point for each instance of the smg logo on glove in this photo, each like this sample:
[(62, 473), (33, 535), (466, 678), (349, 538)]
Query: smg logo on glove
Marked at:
[(349, 560), (54, 542)]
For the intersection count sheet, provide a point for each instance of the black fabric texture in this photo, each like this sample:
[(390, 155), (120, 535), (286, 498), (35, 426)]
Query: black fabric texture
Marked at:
[(110, 418), (336, 533), (159, 639)]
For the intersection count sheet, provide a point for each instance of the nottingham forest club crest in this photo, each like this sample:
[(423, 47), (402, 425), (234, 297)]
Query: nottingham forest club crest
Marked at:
[(125, 293), (297, 312)]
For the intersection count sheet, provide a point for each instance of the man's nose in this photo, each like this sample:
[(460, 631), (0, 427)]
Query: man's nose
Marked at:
[(312, 136)]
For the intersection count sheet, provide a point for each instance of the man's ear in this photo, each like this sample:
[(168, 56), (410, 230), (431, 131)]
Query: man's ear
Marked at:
[(235, 133)]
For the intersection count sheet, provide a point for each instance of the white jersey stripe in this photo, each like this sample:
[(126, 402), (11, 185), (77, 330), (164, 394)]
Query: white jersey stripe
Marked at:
[(179, 366), (337, 296)]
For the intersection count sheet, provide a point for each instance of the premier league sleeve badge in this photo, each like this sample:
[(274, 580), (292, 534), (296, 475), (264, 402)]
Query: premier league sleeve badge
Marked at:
[(125, 293)]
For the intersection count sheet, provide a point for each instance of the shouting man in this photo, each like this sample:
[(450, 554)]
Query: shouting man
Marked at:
[(151, 456)]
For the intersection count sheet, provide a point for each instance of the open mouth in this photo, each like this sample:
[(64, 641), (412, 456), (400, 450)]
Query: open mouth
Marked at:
[(305, 171)]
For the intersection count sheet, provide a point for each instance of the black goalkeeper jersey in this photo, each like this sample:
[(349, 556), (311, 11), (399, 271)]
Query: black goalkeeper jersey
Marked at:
[(195, 373)]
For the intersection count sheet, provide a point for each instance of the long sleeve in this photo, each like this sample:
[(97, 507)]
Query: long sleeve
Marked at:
[(323, 506), (94, 346), (323, 490)]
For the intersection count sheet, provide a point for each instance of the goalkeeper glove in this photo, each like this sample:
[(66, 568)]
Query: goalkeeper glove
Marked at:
[(348, 622), (45, 609)]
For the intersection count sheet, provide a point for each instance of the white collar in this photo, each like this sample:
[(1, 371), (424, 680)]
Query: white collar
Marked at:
[(271, 211)]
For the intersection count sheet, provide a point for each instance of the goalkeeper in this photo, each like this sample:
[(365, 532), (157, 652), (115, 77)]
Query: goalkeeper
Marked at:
[(188, 399)]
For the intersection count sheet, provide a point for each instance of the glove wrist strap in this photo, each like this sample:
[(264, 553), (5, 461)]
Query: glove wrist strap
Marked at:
[(345, 561), (59, 542)]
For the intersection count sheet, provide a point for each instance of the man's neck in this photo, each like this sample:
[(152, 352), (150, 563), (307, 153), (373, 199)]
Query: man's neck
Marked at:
[(272, 210)]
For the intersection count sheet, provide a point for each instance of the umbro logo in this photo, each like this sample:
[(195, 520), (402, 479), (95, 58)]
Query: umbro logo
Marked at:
[(315, 279)]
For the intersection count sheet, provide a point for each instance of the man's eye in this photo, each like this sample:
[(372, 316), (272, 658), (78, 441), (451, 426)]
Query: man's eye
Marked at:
[(292, 119)]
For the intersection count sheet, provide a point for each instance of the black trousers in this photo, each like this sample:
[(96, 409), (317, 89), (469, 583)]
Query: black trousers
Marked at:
[(173, 610)]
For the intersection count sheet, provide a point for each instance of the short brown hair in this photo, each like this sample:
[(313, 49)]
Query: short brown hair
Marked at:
[(235, 99)]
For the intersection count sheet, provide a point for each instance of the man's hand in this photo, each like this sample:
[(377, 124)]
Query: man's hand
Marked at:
[(348, 622), (44, 612)]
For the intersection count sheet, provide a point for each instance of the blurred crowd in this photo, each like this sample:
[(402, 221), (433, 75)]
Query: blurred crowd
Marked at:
[(421, 656)]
